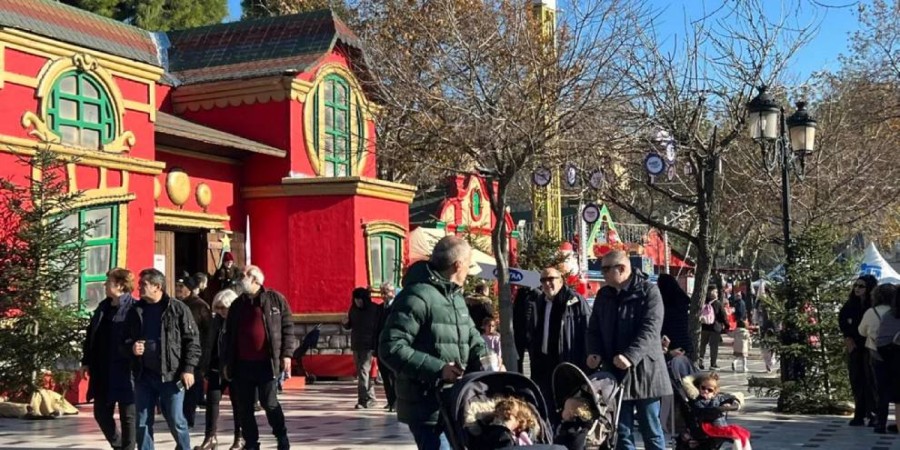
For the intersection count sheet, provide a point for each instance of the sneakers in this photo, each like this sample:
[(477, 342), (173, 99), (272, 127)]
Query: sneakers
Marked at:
[(360, 406)]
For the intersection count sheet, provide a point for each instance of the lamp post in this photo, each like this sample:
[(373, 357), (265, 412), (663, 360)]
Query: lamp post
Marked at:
[(785, 142)]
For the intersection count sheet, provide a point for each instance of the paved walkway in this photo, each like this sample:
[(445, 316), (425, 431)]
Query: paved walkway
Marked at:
[(322, 417)]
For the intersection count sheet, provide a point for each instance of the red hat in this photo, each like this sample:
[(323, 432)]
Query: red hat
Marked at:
[(227, 257)]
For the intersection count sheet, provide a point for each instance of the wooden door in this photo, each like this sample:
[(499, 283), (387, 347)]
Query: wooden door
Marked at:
[(165, 249)]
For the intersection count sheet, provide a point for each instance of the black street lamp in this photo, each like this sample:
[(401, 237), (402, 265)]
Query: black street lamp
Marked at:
[(791, 140)]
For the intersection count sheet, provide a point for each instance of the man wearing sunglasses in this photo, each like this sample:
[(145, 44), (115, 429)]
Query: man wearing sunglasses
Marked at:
[(560, 328), (623, 335)]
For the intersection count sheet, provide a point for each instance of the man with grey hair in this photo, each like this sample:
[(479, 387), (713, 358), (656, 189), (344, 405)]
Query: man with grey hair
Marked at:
[(429, 339), (387, 292), (161, 335), (624, 335), (259, 343)]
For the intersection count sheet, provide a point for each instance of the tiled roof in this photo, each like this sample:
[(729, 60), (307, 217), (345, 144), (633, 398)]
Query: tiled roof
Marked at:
[(186, 132), (76, 26), (255, 48)]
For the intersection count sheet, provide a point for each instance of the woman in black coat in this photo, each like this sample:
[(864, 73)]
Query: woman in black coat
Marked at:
[(676, 319)]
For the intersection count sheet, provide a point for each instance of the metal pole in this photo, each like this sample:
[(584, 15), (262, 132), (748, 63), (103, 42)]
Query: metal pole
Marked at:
[(791, 368), (786, 193)]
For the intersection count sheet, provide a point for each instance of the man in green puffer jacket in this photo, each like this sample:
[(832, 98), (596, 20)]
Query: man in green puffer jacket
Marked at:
[(429, 338)]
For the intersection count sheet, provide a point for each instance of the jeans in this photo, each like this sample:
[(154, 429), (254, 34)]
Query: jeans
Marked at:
[(648, 423), (149, 391), (712, 338), (104, 410), (252, 378), (429, 437), (365, 385)]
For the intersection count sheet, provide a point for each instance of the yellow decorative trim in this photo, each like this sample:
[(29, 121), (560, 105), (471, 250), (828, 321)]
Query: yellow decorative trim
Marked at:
[(83, 62), (122, 255), (384, 226), (92, 158), (190, 219), (345, 186), (41, 130), (2, 65), (231, 93), (318, 317), (71, 173), (300, 89), (357, 100), (50, 48), (21, 80), (196, 155)]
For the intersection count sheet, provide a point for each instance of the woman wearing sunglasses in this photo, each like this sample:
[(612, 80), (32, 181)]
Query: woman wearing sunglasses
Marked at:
[(861, 377)]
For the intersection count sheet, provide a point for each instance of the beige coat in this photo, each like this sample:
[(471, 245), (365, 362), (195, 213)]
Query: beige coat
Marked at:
[(741, 344)]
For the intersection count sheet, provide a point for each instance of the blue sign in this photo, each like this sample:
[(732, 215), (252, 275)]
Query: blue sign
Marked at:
[(868, 269), (515, 275)]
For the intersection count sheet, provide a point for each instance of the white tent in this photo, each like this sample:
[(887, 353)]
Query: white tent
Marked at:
[(875, 264), (422, 241)]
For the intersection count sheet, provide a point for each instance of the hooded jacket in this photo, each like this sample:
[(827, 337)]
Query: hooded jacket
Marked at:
[(428, 327), (363, 324)]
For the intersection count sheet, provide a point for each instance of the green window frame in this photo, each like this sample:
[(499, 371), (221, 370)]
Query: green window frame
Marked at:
[(100, 255), (80, 111), (476, 204), (342, 118), (385, 258)]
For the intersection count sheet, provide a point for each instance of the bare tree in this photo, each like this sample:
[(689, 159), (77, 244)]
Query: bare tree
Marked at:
[(484, 86)]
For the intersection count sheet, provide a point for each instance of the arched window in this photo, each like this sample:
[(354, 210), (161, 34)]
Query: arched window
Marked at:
[(385, 258), (476, 204), (101, 224), (336, 133), (80, 111)]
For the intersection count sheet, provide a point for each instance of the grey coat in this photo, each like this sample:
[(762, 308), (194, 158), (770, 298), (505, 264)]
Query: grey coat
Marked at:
[(629, 323)]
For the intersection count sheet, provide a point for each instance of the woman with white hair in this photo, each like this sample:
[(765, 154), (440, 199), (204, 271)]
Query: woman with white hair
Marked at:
[(215, 381)]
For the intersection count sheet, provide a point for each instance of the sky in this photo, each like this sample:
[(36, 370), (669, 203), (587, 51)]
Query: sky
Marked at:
[(837, 19)]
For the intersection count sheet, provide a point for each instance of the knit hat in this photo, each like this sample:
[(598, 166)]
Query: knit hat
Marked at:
[(188, 282), (227, 257)]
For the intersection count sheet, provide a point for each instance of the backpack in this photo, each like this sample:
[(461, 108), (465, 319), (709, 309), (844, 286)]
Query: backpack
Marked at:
[(708, 313)]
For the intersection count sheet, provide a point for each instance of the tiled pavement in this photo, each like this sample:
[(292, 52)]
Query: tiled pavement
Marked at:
[(322, 417)]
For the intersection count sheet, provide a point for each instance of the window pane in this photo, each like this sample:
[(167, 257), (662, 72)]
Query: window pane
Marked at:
[(101, 220), (94, 294), (68, 296), (90, 138), (329, 117), (67, 85), (391, 256), (88, 90), (340, 148), (68, 109), (97, 260), (69, 134), (341, 170), (71, 221), (340, 120), (375, 259), (329, 91), (91, 113), (341, 94), (329, 169), (329, 146)]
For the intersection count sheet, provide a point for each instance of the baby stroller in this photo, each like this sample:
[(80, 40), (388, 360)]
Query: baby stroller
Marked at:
[(603, 395), (691, 435), (310, 341), (467, 406)]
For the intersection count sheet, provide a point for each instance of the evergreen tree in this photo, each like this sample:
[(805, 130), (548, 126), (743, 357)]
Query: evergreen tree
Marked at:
[(253, 9), (158, 15), (40, 256)]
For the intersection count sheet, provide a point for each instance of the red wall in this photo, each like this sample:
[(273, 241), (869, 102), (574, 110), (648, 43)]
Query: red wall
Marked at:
[(222, 178)]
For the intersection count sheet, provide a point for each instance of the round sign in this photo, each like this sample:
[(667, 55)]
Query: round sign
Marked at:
[(596, 179), (654, 164), (591, 213), (571, 175), (541, 176), (670, 151)]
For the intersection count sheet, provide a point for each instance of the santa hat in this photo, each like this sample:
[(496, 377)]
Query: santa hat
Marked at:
[(227, 257)]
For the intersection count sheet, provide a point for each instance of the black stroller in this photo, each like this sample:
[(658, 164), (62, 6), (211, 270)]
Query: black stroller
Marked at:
[(310, 341), (690, 435), (603, 394), (467, 405)]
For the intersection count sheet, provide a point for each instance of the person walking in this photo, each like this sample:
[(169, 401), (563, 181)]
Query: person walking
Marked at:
[(186, 291), (713, 321), (624, 336), (480, 306), (259, 343), (165, 345), (881, 384), (228, 274), (524, 318), (430, 339), (849, 318), (888, 343), (108, 369), (387, 375), (362, 320), (215, 382), (676, 308), (561, 324)]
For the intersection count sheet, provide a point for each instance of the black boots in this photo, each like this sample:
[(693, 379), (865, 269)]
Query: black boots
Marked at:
[(238, 442), (209, 443)]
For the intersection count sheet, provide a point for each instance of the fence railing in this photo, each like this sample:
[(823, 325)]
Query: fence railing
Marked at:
[(628, 232)]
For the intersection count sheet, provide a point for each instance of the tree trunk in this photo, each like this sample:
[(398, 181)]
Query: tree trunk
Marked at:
[(701, 282), (500, 247)]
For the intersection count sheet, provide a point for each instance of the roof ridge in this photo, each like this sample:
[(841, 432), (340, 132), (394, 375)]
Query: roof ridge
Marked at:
[(240, 23)]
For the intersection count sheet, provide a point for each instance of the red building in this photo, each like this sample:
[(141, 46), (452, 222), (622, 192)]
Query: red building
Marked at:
[(184, 138)]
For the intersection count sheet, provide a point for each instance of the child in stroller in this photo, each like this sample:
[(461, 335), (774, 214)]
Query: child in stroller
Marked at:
[(697, 416), (711, 406), (589, 408)]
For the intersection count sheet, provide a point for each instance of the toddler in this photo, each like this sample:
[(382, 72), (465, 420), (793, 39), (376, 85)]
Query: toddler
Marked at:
[(741, 345), (710, 406), (577, 421), (492, 340)]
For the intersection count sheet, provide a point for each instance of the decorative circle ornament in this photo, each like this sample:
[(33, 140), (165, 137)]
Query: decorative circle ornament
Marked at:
[(178, 186), (654, 164), (591, 213), (671, 151), (596, 179), (571, 176), (542, 176), (203, 194)]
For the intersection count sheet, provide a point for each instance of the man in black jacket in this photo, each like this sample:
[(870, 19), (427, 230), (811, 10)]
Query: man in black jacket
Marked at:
[(184, 291), (163, 339), (561, 325), (259, 337), (858, 362), (363, 320)]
